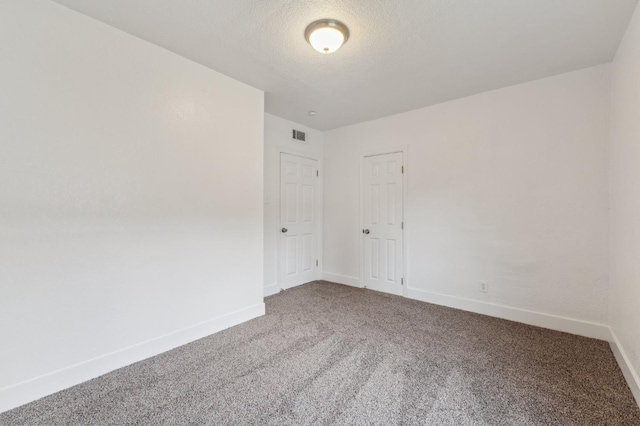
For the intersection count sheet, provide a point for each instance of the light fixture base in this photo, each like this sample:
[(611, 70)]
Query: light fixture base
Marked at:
[(326, 35)]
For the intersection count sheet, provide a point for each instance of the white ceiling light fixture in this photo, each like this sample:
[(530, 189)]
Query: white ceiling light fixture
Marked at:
[(326, 35)]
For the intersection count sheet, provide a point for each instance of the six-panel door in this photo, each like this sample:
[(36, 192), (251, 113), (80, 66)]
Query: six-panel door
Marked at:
[(382, 222), (298, 186)]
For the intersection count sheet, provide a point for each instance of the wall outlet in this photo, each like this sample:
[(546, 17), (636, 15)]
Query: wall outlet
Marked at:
[(483, 287)]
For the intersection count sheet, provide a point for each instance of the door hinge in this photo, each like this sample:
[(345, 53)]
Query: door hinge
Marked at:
[(317, 173), (401, 281), (316, 263), (401, 225), (402, 169)]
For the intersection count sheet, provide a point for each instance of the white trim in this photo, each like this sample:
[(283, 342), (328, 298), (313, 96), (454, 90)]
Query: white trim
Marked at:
[(538, 319), (405, 208), (632, 377), (342, 279), (272, 289), (21, 393)]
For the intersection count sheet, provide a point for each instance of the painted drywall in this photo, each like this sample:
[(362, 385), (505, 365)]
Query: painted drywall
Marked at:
[(131, 196), (624, 298), (508, 186), (277, 139), (401, 55)]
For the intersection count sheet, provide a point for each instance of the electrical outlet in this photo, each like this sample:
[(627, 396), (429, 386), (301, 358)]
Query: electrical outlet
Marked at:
[(483, 287)]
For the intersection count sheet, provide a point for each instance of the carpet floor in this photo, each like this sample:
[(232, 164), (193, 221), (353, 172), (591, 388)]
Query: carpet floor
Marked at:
[(330, 354)]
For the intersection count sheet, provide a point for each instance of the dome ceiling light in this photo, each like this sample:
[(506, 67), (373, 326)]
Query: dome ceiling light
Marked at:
[(326, 35)]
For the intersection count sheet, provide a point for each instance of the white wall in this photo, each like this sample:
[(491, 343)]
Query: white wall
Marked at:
[(131, 200), (508, 186), (624, 299), (277, 139)]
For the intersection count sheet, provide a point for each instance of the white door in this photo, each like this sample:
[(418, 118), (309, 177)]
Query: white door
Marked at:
[(298, 186), (382, 221)]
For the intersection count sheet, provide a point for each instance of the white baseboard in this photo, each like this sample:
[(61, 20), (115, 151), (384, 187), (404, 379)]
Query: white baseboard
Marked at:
[(342, 279), (270, 290), (538, 319), (22, 393), (632, 377)]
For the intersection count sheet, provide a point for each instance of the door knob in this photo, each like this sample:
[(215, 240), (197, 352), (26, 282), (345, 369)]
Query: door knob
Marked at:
[(284, 230), (365, 231)]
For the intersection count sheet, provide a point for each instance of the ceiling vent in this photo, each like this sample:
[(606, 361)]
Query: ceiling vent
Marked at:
[(298, 135)]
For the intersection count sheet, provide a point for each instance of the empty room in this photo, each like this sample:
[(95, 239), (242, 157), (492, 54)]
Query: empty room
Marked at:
[(343, 212)]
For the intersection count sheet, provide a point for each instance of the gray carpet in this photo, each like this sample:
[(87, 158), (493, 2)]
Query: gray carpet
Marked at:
[(330, 354)]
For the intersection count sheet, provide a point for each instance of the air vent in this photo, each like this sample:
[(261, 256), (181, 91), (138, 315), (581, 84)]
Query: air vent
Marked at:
[(298, 135)]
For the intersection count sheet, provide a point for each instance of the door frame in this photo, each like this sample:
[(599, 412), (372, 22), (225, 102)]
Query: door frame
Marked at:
[(404, 149), (281, 149)]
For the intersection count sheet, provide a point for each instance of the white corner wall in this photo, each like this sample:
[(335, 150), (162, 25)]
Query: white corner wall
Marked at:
[(131, 200), (508, 186), (277, 139), (624, 298)]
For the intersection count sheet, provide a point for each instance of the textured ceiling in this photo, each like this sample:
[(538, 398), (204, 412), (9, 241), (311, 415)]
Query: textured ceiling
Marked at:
[(402, 54)]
